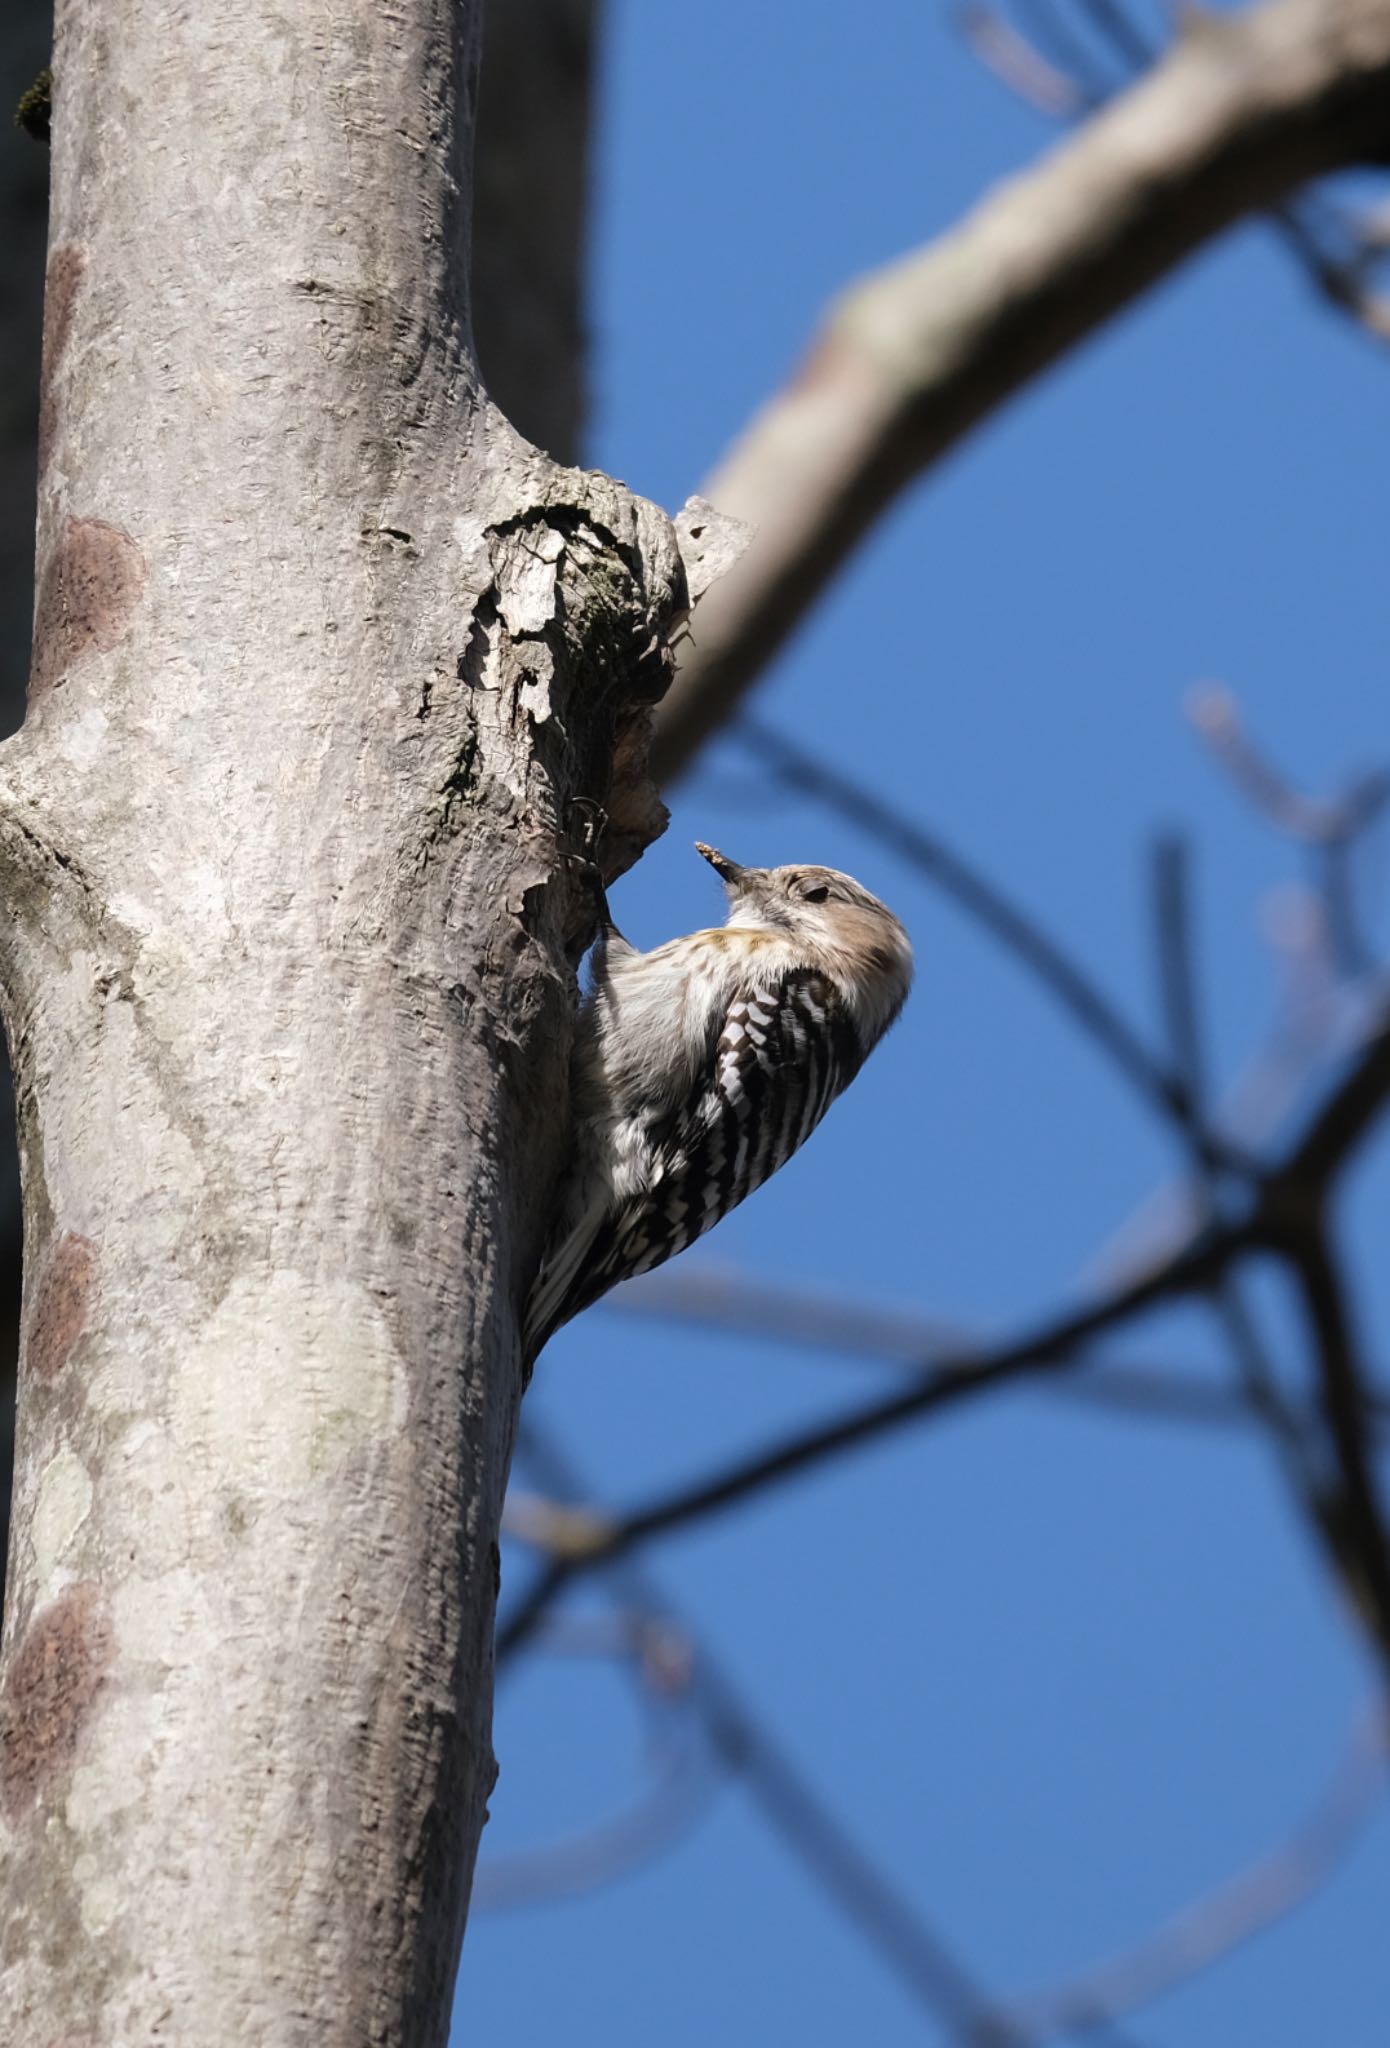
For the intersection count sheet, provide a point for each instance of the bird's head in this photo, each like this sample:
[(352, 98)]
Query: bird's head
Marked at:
[(831, 918)]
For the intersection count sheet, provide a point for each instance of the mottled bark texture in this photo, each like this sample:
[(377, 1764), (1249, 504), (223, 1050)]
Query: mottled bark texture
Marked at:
[(531, 185), (325, 656)]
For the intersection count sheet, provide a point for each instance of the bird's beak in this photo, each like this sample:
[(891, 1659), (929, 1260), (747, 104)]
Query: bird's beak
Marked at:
[(728, 871)]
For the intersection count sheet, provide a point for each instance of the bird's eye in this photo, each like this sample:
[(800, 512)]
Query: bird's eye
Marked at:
[(817, 894)]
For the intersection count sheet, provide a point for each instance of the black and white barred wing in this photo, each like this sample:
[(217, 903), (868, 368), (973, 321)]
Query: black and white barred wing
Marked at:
[(785, 1049)]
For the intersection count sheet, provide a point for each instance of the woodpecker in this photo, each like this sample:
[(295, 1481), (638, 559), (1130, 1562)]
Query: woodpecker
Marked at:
[(700, 1068)]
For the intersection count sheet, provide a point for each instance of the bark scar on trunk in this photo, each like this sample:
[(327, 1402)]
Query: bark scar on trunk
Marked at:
[(54, 1681), (88, 595), (61, 1302)]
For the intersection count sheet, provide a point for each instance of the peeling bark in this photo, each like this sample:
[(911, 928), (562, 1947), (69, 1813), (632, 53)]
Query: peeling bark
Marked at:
[(325, 655)]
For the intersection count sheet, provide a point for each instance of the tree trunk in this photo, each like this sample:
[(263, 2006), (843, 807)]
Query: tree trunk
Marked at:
[(323, 654)]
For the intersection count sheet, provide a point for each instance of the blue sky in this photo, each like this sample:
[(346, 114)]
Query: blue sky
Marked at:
[(1061, 1671)]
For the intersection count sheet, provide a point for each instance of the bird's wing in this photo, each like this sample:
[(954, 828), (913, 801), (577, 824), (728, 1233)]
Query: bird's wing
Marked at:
[(784, 1049)]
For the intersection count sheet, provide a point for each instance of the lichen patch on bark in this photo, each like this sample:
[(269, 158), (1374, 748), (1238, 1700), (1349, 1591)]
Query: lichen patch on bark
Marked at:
[(88, 593), (326, 1378), (114, 1771), (61, 1304), (65, 268), (54, 1681), (63, 1505)]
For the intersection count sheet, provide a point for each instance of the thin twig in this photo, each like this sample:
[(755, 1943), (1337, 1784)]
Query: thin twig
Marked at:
[(1025, 69), (1215, 716), (1335, 1008), (916, 1953), (1178, 996), (1359, 1518), (1263, 1399), (1177, 982), (1330, 828), (1173, 924), (717, 1298), (1315, 821), (1341, 277)]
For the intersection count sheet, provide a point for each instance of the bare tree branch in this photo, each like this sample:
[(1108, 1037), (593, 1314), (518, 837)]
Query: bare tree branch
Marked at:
[(1338, 1527), (1354, 1517), (1055, 1344), (1333, 1007), (717, 1298), (1338, 251), (711, 1296), (1176, 976), (1239, 113), (1315, 821), (1345, 1514)]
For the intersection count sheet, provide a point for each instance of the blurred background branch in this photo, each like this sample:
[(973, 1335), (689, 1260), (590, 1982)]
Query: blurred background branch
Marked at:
[(1240, 111)]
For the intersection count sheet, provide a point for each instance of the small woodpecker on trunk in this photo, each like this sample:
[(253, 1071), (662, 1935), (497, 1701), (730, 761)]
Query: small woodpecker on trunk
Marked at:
[(700, 1068)]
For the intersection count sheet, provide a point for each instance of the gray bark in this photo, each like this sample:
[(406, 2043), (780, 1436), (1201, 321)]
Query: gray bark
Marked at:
[(528, 297), (323, 653)]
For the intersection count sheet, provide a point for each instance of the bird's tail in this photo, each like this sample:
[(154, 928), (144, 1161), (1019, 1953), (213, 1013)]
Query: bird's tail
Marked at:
[(554, 1292)]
